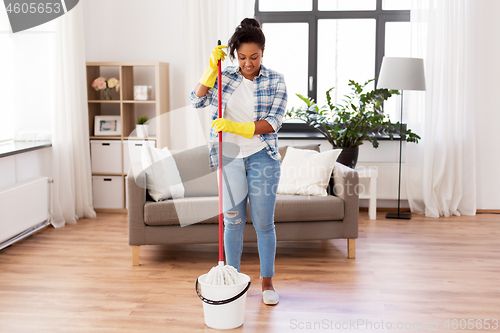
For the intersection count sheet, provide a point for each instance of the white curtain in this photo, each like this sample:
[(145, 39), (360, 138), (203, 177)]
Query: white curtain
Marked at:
[(205, 22), (441, 168), (72, 190)]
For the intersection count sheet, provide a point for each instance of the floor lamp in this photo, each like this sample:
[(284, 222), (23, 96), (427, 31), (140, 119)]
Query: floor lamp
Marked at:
[(401, 74)]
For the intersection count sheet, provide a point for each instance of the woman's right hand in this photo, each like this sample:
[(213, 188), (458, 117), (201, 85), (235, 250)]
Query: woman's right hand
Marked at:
[(208, 78)]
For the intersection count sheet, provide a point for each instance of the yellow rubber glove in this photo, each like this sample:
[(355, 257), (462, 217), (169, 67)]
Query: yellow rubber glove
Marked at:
[(208, 78), (245, 130)]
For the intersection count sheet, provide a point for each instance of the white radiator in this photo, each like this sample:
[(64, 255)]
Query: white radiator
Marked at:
[(24, 209)]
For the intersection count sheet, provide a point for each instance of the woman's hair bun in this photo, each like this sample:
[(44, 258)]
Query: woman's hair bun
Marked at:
[(249, 31), (250, 22)]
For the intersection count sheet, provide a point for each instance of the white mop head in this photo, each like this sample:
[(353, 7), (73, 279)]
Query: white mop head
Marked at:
[(221, 275)]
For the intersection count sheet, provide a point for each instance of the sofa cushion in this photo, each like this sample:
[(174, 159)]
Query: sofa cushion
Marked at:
[(312, 146), (162, 176), (289, 208), (307, 172), (300, 208), (198, 178), (194, 168), (183, 211)]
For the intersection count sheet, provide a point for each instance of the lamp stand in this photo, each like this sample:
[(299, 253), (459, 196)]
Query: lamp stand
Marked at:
[(399, 215)]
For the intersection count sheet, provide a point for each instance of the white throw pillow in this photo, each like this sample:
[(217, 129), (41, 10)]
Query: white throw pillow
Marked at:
[(306, 172), (162, 176)]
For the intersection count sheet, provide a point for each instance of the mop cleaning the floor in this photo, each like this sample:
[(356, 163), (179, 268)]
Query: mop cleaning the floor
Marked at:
[(251, 102), (225, 287)]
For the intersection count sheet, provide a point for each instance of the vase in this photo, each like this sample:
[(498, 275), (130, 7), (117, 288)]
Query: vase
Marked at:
[(349, 156), (141, 131), (107, 94)]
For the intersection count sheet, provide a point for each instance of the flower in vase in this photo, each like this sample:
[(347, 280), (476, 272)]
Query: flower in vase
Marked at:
[(114, 83), (99, 83)]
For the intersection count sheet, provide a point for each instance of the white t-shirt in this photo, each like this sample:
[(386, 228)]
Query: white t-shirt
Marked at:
[(240, 109)]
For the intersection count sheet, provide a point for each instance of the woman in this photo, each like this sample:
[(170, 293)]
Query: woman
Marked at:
[(253, 103)]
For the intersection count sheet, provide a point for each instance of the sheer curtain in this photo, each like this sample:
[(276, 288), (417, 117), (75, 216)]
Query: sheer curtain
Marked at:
[(205, 22), (70, 136), (441, 169)]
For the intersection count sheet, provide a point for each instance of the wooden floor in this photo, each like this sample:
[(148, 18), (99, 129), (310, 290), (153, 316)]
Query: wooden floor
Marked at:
[(79, 279)]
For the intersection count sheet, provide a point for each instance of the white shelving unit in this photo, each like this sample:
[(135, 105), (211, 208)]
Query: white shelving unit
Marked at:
[(111, 155)]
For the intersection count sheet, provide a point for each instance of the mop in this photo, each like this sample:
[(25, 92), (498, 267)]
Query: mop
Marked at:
[(222, 275)]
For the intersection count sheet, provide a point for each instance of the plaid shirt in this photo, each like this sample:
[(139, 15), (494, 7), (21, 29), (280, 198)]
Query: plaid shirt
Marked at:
[(270, 98)]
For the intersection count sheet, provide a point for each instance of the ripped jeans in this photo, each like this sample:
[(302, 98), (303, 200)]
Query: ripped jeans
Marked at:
[(255, 179)]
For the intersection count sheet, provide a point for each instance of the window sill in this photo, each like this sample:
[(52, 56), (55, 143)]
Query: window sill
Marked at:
[(10, 148), (302, 131)]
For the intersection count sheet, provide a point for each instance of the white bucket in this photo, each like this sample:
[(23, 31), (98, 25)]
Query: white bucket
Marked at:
[(224, 316)]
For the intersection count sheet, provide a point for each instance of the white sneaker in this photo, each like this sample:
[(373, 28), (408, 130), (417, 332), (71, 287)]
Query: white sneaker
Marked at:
[(270, 297)]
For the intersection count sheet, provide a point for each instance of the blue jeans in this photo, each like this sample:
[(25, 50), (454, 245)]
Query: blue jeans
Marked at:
[(255, 179)]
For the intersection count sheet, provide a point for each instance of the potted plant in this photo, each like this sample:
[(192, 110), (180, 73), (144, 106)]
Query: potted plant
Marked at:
[(348, 124), (142, 127)]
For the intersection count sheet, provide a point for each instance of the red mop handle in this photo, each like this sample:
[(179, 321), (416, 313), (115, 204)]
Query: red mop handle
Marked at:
[(221, 217)]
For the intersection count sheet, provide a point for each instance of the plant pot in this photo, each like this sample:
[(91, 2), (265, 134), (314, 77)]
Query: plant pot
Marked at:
[(349, 156), (141, 131)]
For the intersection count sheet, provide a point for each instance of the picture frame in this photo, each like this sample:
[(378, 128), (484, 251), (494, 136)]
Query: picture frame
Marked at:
[(142, 93), (107, 126)]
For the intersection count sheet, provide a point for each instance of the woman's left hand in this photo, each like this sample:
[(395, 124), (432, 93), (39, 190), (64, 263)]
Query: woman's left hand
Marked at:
[(245, 130)]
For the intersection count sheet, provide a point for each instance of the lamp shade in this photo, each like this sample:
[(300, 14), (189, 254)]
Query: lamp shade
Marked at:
[(402, 74)]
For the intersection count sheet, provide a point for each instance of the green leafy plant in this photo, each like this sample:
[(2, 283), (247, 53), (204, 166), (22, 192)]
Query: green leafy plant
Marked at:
[(350, 122), (142, 120)]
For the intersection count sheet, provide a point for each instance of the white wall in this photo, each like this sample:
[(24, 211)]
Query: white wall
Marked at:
[(131, 30), (486, 53)]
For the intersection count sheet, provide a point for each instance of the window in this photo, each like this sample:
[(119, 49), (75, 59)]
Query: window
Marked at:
[(335, 64), (28, 79), (347, 5), (319, 44), (6, 130), (296, 68), (396, 4), (285, 5)]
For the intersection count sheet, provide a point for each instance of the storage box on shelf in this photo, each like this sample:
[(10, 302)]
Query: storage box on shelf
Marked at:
[(111, 155), (107, 192), (132, 151), (106, 156)]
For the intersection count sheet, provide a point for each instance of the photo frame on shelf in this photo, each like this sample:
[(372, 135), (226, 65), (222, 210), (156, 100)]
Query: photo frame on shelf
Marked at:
[(142, 93), (107, 126)]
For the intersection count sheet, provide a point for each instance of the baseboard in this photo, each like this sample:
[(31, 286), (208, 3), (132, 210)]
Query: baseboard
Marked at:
[(111, 210), (386, 209), (487, 211), (404, 210)]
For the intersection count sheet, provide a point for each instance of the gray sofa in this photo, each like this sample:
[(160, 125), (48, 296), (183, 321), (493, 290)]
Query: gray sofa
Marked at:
[(297, 217)]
